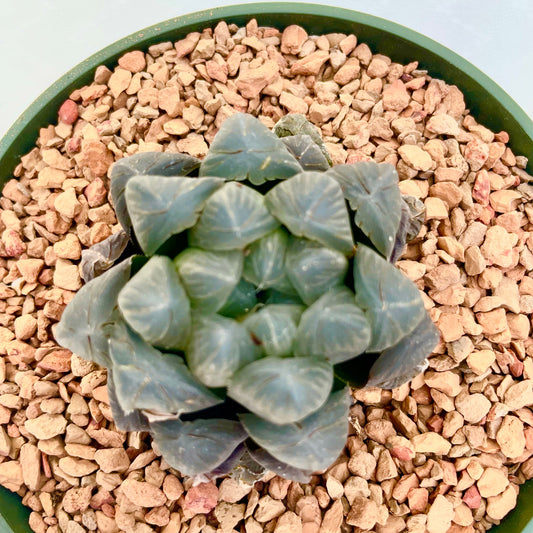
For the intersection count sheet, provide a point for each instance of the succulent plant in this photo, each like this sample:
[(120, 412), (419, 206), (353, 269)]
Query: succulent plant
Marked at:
[(261, 289)]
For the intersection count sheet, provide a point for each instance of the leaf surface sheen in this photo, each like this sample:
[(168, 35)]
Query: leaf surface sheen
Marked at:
[(373, 193), (160, 207), (244, 148), (154, 382), (311, 204), (283, 390), (197, 447), (333, 327), (145, 163), (391, 301), (82, 328), (209, 277), (313, 443), (155, 304), (233, 217)]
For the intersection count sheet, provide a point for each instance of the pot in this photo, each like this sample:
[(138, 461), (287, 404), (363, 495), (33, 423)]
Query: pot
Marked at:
[(489, 104)]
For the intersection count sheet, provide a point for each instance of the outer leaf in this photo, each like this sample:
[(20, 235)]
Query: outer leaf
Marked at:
[(244, 148), (134, 421), (311, 205), (412, 218), (160, 207), (217, 348), (159, 384), (312, 444), (314, 269), (82, 326), (264, 265), (197, 447), (233, 217), (306, 152), (274, 326), (155, 304), (241, 301), (402, 362), (373, 193), (209, 277), (333, 327), (283, 390), (146, 163), (295, 124), (101, 256), (270, 463), (391, 301)]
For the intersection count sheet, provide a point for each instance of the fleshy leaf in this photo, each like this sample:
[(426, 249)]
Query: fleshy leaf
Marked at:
[(209, 277), (233, 217), (412, 219), (277, 297), (391, 301), (295, 124), (217, 348), (405, 360), (372, 192), (313, 269), (133, 421), (160, 207), (155, 304), (197, 447), (247, 471), (157, 383), (306, 152), (311, 205), (270, 463), (333, 327), (283, 390), (145, 163), (245, 149), (274, 327), (264, 264), (82, 328), (242, 300), (313, 443), (102, 255)]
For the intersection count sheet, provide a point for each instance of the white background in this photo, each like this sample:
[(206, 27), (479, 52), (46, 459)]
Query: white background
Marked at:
[(42, 39)]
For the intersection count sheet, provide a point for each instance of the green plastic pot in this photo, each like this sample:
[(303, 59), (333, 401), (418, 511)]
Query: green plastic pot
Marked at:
[(490, 105)]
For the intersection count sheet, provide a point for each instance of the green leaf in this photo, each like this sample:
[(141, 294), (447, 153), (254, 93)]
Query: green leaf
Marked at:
[(274, 327), (217, 348), (314, 269), (333, 327), (82, 328), (159, 384), (306, 152), (242, 300), (282, 390), (264, 264), (233, 217), (197, 447), (403, 361), (155, 304), (391, 301), (270, 463), (311, 205), (313, 443), (245, 149), (146, 163), (160, 207), (133, 421), (295, 124), (209, 277), (373, 193), (277, 297)]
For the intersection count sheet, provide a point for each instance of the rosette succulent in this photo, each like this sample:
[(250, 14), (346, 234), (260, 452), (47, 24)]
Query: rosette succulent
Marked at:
[(260, 287)]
